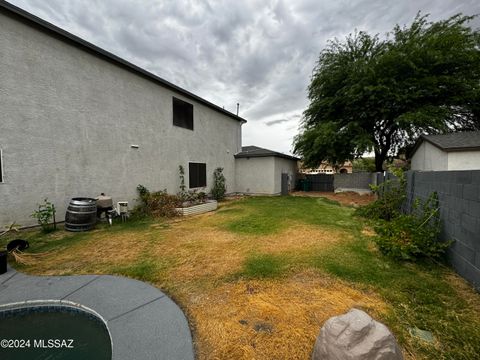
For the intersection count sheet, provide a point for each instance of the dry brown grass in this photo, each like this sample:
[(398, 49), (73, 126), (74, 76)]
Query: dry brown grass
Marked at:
[(231, 319), (368, 231), (234, 313), (348, 198), (301, 237), (201, 249), (94, 255), (287, 313), (271, 319), (465, 291)]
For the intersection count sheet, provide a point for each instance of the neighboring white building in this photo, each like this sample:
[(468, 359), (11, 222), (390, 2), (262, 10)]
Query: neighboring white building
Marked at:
[(455, 151), (326, 168), (76, 121), (259, 171)]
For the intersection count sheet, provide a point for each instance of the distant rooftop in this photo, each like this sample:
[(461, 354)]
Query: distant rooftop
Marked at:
[(255, 151), (460, 141)]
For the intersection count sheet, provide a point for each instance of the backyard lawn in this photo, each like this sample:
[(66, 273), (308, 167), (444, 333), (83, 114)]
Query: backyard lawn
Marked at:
[(258, 278)]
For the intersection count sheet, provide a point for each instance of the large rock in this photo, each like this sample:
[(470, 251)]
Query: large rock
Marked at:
[(355, 336)]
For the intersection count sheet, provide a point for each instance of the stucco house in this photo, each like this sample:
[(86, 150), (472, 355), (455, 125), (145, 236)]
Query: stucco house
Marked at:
[(259, 171), (77, 120), (455, 151)]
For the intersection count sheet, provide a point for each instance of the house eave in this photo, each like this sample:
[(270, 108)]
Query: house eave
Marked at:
[(283, 156)]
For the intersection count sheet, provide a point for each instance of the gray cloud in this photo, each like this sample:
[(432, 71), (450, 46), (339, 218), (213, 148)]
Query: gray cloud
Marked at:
[(274, 122), (259, 53)]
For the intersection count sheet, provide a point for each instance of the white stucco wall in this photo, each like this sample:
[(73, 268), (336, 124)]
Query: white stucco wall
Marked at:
[(429, 158), (284, 166), (68, 118), (464, 160), (263, 175), (255, 175)]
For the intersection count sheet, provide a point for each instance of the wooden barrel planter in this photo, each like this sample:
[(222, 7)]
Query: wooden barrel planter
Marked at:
[(81, 214)]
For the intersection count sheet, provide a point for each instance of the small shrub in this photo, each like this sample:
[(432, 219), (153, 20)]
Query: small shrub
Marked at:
[(157, 204), (391, 196), (45, 216), (162, 204), (143, 191), (194, 198), (182, 194), (190, 198), (413, 236), (219, 189)]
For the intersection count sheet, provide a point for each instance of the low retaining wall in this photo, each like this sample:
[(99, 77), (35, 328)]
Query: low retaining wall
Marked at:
[(359, 182), (210, 205)]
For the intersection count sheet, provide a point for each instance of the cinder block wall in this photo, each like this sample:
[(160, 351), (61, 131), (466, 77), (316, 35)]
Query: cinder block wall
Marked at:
[(360, 180), (459, 197)]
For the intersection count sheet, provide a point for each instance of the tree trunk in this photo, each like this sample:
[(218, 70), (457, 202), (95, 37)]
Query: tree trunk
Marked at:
[(379, 159)]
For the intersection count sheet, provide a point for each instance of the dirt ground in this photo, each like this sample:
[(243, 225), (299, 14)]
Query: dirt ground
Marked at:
[(348, 198)]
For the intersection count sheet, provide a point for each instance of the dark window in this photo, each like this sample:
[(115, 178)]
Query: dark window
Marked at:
[(197, 174), (182, 114)]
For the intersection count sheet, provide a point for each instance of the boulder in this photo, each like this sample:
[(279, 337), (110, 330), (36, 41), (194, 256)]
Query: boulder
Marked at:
[(355, 336)]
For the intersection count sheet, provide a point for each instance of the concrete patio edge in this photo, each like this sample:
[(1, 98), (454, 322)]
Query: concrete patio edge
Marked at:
[(143, 322)]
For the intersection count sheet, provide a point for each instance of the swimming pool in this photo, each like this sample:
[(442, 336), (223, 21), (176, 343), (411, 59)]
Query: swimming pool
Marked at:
[(52, 330)]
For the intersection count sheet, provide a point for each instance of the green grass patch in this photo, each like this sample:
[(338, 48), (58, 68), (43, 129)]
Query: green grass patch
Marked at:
[(144, 269), (264, 266), (254, 225), (269, 215)]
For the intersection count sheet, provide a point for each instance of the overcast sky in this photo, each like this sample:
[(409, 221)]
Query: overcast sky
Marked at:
[(258, 53)]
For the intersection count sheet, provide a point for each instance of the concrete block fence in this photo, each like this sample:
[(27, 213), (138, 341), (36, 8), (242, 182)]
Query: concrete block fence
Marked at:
[(354, 181), (459, 202)]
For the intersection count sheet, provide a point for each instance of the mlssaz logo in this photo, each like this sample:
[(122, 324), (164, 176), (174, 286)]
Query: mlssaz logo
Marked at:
[(53, 343)]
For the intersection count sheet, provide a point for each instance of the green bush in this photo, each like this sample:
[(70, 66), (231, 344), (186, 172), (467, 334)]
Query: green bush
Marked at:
[(45, 215), (391, 196), (413, 236), (219, 189), (143, 191)]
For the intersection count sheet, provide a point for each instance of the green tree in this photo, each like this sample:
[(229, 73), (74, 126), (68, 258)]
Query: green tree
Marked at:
[(379, 95), (363, 164), (219, 189)]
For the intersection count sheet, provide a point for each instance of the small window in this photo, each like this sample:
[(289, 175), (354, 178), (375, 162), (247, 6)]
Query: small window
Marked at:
[(182, 114), (1, 166), (197, 174)]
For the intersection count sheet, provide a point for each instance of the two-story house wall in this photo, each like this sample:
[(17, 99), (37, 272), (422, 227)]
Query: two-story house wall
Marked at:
[(76, 120)]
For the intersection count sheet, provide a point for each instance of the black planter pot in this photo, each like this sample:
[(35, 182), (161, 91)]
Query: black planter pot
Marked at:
[(3, 262)]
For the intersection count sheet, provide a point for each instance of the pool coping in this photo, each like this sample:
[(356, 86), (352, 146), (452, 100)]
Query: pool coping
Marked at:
[(142, 321)]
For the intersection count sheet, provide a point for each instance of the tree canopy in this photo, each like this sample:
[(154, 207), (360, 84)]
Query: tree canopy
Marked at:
[(372, 94)]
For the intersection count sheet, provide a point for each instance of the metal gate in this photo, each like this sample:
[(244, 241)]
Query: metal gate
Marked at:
[(320, 182)]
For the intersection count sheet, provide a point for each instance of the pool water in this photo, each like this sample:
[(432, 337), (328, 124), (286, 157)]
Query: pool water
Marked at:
[(53, 333)]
